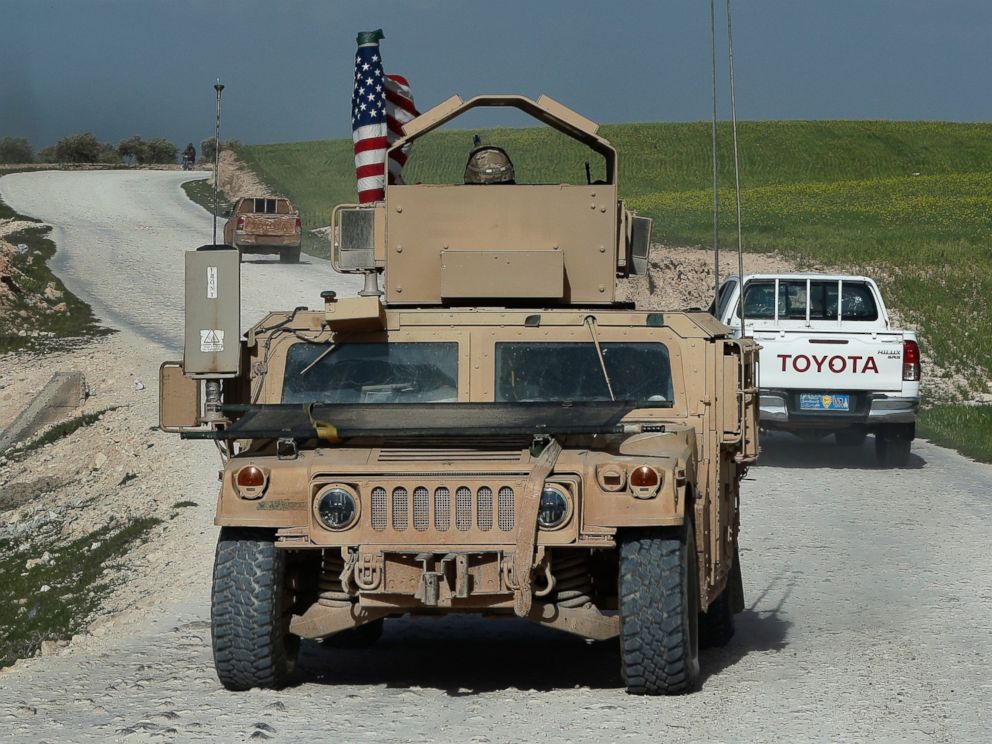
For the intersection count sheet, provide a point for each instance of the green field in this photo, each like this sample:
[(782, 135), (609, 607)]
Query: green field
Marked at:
[(909, 203)]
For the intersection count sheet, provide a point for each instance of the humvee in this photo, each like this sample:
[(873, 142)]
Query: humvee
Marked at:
[(493, 432)]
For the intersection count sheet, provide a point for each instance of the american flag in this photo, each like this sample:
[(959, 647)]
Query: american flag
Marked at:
[(380, 105)]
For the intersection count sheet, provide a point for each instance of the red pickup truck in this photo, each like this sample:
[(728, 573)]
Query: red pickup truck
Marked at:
[(265, 225)]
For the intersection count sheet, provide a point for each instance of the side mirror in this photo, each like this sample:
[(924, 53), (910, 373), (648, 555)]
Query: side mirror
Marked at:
[(227, 212), (640, 245)]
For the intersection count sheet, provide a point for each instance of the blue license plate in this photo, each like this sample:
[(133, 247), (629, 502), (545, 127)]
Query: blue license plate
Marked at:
[(824, 402)]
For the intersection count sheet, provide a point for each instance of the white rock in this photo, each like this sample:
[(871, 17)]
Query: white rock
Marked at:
[(99, 461)]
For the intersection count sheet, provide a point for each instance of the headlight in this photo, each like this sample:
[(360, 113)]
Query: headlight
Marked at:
[(336, 508), (554, 507)]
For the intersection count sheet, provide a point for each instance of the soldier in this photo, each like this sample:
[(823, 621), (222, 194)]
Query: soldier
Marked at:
[(487, 165)]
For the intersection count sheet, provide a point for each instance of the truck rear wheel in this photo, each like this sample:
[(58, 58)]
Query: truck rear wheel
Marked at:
[(250, 609), (892, 451), (291, 255), (659, 610)]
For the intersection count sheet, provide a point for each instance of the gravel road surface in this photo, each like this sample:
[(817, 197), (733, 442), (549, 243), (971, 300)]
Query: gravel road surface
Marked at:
[(869, 591), (121, 236)]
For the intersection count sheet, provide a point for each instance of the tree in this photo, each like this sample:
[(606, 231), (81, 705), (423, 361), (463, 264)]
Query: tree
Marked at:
[(133, 150), (78, 148), (108, 154), (15, 150), (161, 151)]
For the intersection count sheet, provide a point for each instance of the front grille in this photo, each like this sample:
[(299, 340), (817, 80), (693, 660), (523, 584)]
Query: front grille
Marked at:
[(379, 509), (421, 508), (463, 509), (473, 508), (399, 509), (484, 508), (506, 516), (442, 509)]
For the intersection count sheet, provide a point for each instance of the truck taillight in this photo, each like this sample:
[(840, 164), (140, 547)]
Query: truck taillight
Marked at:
[(299, 224), (910, 361), (241, 223)]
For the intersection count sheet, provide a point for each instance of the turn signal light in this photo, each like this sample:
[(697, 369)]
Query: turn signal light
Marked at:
[(251, 481), (251, 476), (299, 224), (911, 361), (644, 477), (241, 223), (644, 482)]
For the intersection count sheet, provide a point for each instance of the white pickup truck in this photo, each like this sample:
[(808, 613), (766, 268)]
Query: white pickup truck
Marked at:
[(822, 372)]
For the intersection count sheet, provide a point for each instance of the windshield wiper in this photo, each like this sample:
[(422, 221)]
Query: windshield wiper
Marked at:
[(591, 324)]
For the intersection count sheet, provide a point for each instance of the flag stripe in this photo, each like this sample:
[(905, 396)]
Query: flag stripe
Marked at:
[(380, 105)]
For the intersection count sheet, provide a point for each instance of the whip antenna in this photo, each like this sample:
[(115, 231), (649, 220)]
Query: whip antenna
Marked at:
[(737, 166), (716, 197)]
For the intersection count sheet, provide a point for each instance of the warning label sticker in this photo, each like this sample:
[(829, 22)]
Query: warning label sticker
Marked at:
[(211, 340)]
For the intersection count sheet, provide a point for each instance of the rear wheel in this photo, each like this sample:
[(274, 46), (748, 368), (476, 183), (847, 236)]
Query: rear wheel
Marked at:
[(291, 255), (659, 610), (250, 609), (892, 451)]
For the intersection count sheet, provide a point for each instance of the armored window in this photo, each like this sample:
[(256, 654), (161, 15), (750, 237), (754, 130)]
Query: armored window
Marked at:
[(571, 371), (371, 373)]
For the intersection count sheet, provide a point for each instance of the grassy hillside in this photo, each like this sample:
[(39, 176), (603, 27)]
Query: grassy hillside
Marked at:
[(908, 202)]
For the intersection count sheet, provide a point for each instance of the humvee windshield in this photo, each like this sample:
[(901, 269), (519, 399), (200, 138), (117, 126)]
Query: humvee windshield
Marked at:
[(563, 371), (371, 373)]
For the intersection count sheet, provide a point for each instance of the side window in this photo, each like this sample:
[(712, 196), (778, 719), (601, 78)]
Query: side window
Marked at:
[(726, 292), (792, 300), (859, 304), (759, 300)]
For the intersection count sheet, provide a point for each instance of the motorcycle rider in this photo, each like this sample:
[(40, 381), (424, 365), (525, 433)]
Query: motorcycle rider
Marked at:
[(189, 155)]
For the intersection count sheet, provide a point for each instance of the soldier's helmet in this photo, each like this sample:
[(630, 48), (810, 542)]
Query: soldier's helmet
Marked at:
[(489, 165)]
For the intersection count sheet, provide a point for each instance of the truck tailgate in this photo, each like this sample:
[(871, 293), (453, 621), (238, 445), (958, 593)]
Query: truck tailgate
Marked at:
[(270, 224), (814, 361)]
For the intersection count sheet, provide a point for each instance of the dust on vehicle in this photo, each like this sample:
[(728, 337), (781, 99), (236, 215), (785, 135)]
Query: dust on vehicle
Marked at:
[(492, 432), (259, 224)]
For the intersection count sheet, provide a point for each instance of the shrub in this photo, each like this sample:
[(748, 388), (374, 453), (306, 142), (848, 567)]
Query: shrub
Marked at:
[(78, 148), (15, 150), (207, 148), (133, 150), (161, 151)]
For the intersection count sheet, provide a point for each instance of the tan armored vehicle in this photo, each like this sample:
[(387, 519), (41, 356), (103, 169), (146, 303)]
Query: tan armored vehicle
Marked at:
[(495, 433)]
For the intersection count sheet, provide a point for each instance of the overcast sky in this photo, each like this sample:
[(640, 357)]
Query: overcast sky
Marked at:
[(122, 67)]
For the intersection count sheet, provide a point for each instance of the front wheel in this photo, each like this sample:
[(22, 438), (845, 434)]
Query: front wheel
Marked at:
[(659, 610), (250, 608)]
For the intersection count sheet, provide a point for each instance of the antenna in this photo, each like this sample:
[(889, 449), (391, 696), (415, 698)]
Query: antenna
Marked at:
[(737, 166), (219, 89), (716, 182)]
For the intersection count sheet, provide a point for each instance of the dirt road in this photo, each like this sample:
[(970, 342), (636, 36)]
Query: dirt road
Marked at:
[(869, 591), (121, 236)]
